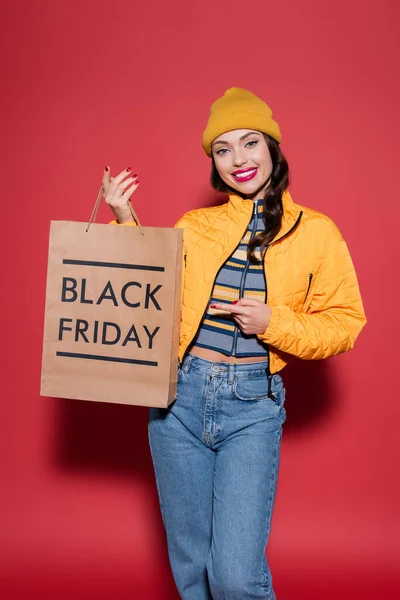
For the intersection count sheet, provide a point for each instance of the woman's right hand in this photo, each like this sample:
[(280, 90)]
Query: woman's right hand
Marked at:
[(117, 192)]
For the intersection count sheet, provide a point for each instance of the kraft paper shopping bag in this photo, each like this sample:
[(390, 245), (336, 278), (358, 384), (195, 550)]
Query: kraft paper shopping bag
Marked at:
[(112, 313)]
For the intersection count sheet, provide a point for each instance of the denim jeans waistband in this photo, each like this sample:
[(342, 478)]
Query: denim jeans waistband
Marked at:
[(209, 367)]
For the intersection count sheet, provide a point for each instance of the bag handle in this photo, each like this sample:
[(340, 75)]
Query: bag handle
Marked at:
[(96, 208)]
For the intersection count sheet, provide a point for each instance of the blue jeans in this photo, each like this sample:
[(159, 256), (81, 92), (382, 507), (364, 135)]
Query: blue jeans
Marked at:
[(215, 452)]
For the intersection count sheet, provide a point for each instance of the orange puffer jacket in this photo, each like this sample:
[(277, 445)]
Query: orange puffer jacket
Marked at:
[(312, 286)]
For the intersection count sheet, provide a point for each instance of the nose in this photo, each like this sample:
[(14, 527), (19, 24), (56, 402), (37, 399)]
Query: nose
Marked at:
[(238, 160)]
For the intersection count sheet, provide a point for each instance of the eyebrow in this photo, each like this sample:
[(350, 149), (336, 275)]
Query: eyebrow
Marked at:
[(241, 138)]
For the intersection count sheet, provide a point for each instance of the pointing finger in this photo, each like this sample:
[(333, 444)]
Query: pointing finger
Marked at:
[(248, 302), (234, 309)]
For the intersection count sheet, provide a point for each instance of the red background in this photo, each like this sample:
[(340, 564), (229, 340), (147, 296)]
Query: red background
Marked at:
[(86, 84)]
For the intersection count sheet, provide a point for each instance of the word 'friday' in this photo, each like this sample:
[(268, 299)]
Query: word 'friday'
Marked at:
[(106, 333)]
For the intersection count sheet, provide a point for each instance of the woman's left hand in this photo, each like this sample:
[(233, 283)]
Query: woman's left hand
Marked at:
[(252, 316)]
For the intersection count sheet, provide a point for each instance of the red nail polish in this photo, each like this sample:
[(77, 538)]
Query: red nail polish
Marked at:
[(106, 168), (129, 169), (212, 305), (235, 301), (137, 181), (135, 175)]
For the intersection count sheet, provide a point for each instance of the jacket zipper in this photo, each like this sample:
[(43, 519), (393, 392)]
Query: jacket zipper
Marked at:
[(268, 369), (269, 374), (309, 285), (242, 280)]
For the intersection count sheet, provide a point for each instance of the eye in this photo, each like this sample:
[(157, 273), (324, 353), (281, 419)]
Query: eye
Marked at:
[(222, 151), (252, 142)]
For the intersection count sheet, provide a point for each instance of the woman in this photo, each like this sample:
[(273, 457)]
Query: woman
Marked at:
[(264, 278)]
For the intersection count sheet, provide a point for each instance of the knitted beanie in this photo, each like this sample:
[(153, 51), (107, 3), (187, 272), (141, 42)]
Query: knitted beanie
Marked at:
[(239, 109)]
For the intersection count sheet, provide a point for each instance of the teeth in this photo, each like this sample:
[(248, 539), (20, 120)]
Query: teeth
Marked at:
[(246, 174)]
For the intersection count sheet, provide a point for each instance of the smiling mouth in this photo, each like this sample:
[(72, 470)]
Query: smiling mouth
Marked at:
[(245, 175)]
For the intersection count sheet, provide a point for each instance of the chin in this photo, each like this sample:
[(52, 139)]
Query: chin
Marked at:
[(257, 189), (243, 188), (251, 189), (248, 189)]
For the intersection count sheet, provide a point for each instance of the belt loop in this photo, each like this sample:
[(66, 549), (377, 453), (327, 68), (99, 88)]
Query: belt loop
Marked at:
[(231, 376), (186, 363)]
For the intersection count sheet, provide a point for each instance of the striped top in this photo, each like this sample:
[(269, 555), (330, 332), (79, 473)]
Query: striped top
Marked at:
[(237, 278)]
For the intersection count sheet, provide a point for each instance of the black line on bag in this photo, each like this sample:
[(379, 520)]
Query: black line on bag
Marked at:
[(130, 361), (95, 263)]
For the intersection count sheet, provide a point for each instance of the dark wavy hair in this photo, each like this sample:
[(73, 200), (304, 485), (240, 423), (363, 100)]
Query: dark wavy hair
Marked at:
[(273, 210)]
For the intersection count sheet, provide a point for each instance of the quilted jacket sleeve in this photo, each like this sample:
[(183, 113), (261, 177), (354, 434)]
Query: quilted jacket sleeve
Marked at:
[(334, 318)]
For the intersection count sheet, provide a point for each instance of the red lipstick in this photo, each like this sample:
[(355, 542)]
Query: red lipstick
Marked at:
[(244, 174)]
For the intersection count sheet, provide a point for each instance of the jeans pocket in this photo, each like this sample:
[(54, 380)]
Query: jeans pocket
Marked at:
[(251, 389), (280, 397), (278, 390)]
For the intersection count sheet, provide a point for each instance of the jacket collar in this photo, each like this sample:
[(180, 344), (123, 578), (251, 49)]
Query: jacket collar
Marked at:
[(238, 206)]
